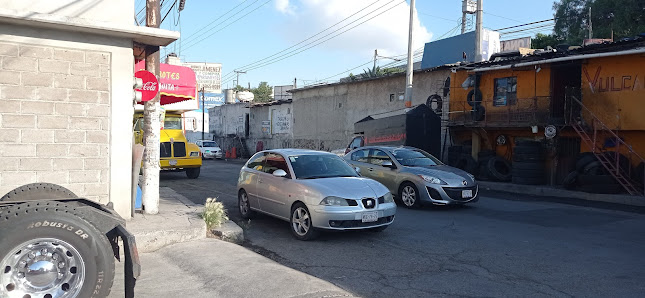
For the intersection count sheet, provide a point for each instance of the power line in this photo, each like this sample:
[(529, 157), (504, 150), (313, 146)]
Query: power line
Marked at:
[(304, 40), (527, 24), (502, 17), (527, 29), (188, 38), (287, 56), (190, 46)]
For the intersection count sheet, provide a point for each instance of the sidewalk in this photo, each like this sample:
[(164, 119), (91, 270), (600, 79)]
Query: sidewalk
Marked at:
[(178, 260), (548, 191)]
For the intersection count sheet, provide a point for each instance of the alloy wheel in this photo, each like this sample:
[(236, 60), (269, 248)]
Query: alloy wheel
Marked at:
[(408, 196), (301, 221)]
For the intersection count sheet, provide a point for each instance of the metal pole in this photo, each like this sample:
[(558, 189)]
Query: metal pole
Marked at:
[(375, 54), (408, 77), (203, 114), (478, 32), (590, 25), (152, 126), (463, 16)]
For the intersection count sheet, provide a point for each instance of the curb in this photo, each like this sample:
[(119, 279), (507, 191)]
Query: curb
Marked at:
[(562, 193), (178, 221), (229, 231)]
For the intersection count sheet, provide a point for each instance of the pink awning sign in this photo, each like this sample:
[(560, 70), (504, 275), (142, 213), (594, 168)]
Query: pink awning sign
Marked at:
[(176, 83)]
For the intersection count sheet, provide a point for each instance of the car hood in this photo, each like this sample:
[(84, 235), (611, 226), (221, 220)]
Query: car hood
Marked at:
[(347, 187), (446, 173)]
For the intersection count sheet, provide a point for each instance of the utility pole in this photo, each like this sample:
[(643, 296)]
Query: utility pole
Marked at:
[(152, 126), (478, 32), (203, 112), (408, 76), (591, 25), (375, 55), (295, 81), (463, 16), (238, 76)]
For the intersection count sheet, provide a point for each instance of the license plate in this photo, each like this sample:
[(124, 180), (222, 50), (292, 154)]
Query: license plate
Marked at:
[(172, 162), (370, 216), (467, 193), (208, 151)]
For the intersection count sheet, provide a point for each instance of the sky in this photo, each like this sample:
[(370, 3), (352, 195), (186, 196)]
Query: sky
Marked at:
[(318, 41)]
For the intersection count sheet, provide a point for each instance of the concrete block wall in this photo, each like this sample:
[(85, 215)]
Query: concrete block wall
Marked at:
[(55, 118)]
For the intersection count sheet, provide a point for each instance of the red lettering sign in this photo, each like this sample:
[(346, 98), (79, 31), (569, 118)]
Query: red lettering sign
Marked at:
[(150, 85)]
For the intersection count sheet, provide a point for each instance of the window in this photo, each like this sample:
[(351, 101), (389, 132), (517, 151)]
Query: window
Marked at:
[(172, 123), (356, 142), (505, 91), (274, 162), (209, 144), (257, 162), (378, 157), (314, 166), (361, 156), (415, 158), (392, 97)]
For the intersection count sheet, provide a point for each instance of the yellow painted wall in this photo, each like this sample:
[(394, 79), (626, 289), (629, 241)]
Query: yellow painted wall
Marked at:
[(613, 88), (527, 81)]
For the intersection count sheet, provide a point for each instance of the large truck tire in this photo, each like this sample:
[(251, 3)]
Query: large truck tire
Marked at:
[(193, 173), (38, 191), (48, 251)]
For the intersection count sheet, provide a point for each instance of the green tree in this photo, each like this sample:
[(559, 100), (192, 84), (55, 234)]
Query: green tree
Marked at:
[(625, 18), (239, 88), (541, 41), (262, 93), (378, 71)]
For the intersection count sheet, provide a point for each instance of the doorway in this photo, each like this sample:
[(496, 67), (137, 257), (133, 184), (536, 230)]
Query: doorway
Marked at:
[(567, 75)]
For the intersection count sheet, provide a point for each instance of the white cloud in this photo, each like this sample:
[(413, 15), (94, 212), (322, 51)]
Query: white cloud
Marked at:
[(387, 32), (283, 6)]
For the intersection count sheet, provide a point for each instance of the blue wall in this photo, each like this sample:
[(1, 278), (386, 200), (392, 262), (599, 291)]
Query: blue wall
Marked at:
[(449, 50)]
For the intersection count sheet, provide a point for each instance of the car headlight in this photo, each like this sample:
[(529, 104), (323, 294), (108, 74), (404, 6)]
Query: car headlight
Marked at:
[(388, 198), (430, 179), (194, 154), (334, 201)]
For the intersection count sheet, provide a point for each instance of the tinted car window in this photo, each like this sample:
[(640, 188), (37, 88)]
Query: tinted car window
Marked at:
[(378, 157), (275, 162), (355, 143), (415, 158), (257, 162), (361, 156), (320, 166), (210, 144)]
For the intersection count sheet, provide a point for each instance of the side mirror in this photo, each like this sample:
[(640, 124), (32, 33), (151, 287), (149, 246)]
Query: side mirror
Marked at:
[(279, 173), (388, 164), (357, 169)]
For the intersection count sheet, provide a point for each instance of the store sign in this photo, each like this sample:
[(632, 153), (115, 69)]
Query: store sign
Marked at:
[(211, 99), (150, 85), (209, 76)]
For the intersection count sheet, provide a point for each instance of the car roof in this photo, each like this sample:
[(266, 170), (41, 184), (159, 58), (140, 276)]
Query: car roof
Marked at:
[(388, 147), (291, 151)]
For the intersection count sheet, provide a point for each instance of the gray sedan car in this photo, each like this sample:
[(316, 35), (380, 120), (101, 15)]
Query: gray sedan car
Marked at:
[(312, 190), (414, 175)]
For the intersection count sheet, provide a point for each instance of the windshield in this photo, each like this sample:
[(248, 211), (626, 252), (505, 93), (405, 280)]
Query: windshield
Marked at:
[(172, 123), (210, 144), (415, 158), (320, 166)]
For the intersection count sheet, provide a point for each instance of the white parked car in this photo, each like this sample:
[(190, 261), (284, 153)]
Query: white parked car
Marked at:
[(209, 149)]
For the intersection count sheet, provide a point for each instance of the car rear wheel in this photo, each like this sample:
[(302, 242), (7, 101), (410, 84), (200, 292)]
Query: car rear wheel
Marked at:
[(244, 205), (301, 224), (409, 195)]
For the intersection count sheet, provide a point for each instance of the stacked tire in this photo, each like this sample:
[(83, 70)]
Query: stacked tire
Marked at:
[(466, 162), (528, 163), (590, 175)]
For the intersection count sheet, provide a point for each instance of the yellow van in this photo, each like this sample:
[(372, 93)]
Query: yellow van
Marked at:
[(176, 153)]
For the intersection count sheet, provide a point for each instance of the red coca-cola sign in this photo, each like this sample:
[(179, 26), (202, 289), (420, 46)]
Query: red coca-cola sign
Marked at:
[(150, 86)]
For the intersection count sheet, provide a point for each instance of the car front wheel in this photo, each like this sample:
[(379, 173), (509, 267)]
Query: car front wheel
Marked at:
[(301, 225), (410, 195)]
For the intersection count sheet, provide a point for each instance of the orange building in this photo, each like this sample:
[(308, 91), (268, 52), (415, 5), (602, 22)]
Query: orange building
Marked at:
[(588, 99)]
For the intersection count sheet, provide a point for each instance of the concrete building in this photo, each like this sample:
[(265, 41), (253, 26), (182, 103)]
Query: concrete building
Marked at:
[(323, 117), (66, 95)]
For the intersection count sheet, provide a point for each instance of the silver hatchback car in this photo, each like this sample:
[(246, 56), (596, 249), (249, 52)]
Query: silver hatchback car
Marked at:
[(415, 175), (312, 190)]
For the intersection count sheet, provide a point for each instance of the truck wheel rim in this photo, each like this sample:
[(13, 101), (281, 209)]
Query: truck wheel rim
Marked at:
[(42, 267), (408, 196)]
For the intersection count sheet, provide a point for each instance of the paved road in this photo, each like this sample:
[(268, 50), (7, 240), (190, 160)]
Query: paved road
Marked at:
[(500, 246)]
